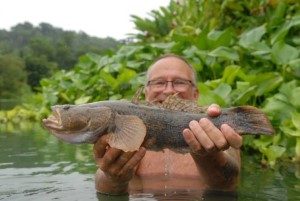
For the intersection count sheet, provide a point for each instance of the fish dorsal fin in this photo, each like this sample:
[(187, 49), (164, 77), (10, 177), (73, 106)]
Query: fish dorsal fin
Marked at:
[(137, 95), (129, 133), (173, 102)]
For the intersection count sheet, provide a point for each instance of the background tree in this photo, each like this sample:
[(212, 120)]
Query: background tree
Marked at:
[(12, 80)]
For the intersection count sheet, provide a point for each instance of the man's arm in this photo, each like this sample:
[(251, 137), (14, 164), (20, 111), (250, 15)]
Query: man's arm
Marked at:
[(116, 167), (215, 151)]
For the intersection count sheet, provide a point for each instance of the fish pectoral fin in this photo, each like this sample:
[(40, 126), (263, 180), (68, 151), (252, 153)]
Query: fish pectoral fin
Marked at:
[(129, 133)]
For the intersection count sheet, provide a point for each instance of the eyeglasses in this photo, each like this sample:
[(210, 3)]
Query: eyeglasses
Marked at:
[(178, 84)]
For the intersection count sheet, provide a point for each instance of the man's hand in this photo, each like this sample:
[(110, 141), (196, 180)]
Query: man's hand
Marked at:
[(204, 138), (117, 165)]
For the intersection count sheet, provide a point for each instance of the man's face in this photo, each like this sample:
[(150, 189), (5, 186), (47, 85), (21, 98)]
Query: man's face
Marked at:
[(168, 70)]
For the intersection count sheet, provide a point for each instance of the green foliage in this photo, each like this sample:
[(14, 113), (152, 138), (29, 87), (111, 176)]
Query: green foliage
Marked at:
[(12, 80), (244, 52)]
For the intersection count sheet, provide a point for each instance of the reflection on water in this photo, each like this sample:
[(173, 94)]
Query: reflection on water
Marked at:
[(36, 166), (172, 196)]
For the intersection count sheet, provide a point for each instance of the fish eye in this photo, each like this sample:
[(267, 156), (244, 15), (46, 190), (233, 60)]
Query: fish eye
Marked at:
[(66, 107)]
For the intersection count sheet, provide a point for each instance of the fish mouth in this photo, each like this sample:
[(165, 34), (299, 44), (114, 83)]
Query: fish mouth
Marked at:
[(53, 122)]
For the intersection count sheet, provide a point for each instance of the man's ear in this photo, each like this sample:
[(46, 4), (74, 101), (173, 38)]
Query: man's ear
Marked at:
[(146, 92), (196, 93)]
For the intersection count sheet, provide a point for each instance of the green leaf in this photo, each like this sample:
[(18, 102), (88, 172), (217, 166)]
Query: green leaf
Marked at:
[(289, 131), (297, 152), (219, 38), (109, 79), (125, 76), (223, 90), (163, 45), (278, 15), (225, 52), (295, 67), (295, 97), (243, 93), (134, 64), (231, 73), (82, 100), (252, 36), (208, 97), (266, 82), (282, 32), (283, 53), (274, 152), (260, 49), (296, 120)]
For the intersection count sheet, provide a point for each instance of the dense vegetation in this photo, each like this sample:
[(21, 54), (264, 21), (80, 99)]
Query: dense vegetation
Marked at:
[(28, 54), (244, 51)]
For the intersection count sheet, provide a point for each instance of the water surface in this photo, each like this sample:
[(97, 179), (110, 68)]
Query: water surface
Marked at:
[(36, 166)]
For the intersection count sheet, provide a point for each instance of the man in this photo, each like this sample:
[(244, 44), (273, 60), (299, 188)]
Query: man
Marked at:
[(213, 162)]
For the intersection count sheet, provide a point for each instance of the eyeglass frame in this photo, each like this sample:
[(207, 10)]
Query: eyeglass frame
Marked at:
[(188, 83)]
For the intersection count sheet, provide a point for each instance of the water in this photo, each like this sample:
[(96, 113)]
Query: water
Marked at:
[(36, 166)]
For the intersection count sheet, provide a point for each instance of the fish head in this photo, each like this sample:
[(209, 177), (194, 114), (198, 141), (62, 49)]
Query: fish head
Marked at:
[(76, 124), (67, 118)]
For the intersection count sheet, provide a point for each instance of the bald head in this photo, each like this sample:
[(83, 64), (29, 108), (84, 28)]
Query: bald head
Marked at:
[(175, 59), (166, 70)]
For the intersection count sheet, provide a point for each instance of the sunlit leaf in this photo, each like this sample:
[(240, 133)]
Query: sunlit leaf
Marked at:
[(282, 32), (296, 120), (220, 38), (244, 96), (225, 52), (252, 36), (295, 97), (231, 73), (283, 53), (266, 82), (273, 152), (295, 66), (82, 100), (208, 97), (108, 78)]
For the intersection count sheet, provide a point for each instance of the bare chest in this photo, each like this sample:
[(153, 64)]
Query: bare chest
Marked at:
[(167, 164)]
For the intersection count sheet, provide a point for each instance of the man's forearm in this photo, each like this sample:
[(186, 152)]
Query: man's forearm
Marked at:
[(220, 170), (105, 185)]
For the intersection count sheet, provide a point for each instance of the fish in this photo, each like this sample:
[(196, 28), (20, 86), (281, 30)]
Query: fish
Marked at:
[(130, 125)]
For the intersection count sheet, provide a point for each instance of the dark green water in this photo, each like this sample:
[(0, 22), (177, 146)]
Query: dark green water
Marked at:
[(36, 166)]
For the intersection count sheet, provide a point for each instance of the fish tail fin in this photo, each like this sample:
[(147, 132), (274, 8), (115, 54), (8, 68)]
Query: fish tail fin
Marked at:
[(249, 120)]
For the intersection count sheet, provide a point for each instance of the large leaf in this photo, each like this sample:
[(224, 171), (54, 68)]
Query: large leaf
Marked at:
[(243, 93), (208, 97), (253, 36), (283, 53), (220, 38), (266, 82), (225, 52), (231, 73), (282, 32)]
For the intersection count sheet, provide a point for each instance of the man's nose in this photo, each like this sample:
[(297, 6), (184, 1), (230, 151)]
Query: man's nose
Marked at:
[(169, 89)]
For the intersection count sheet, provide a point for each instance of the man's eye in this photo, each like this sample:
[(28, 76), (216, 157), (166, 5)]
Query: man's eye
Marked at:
[(159, 82), (180, 82)]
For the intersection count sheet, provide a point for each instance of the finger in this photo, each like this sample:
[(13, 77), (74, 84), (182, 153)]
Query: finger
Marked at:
[(213, 110), (215, 135), (191, 140), (109, 157), (100, 147), (201, 136), (233, 138), (120, 162), (134, 161)]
